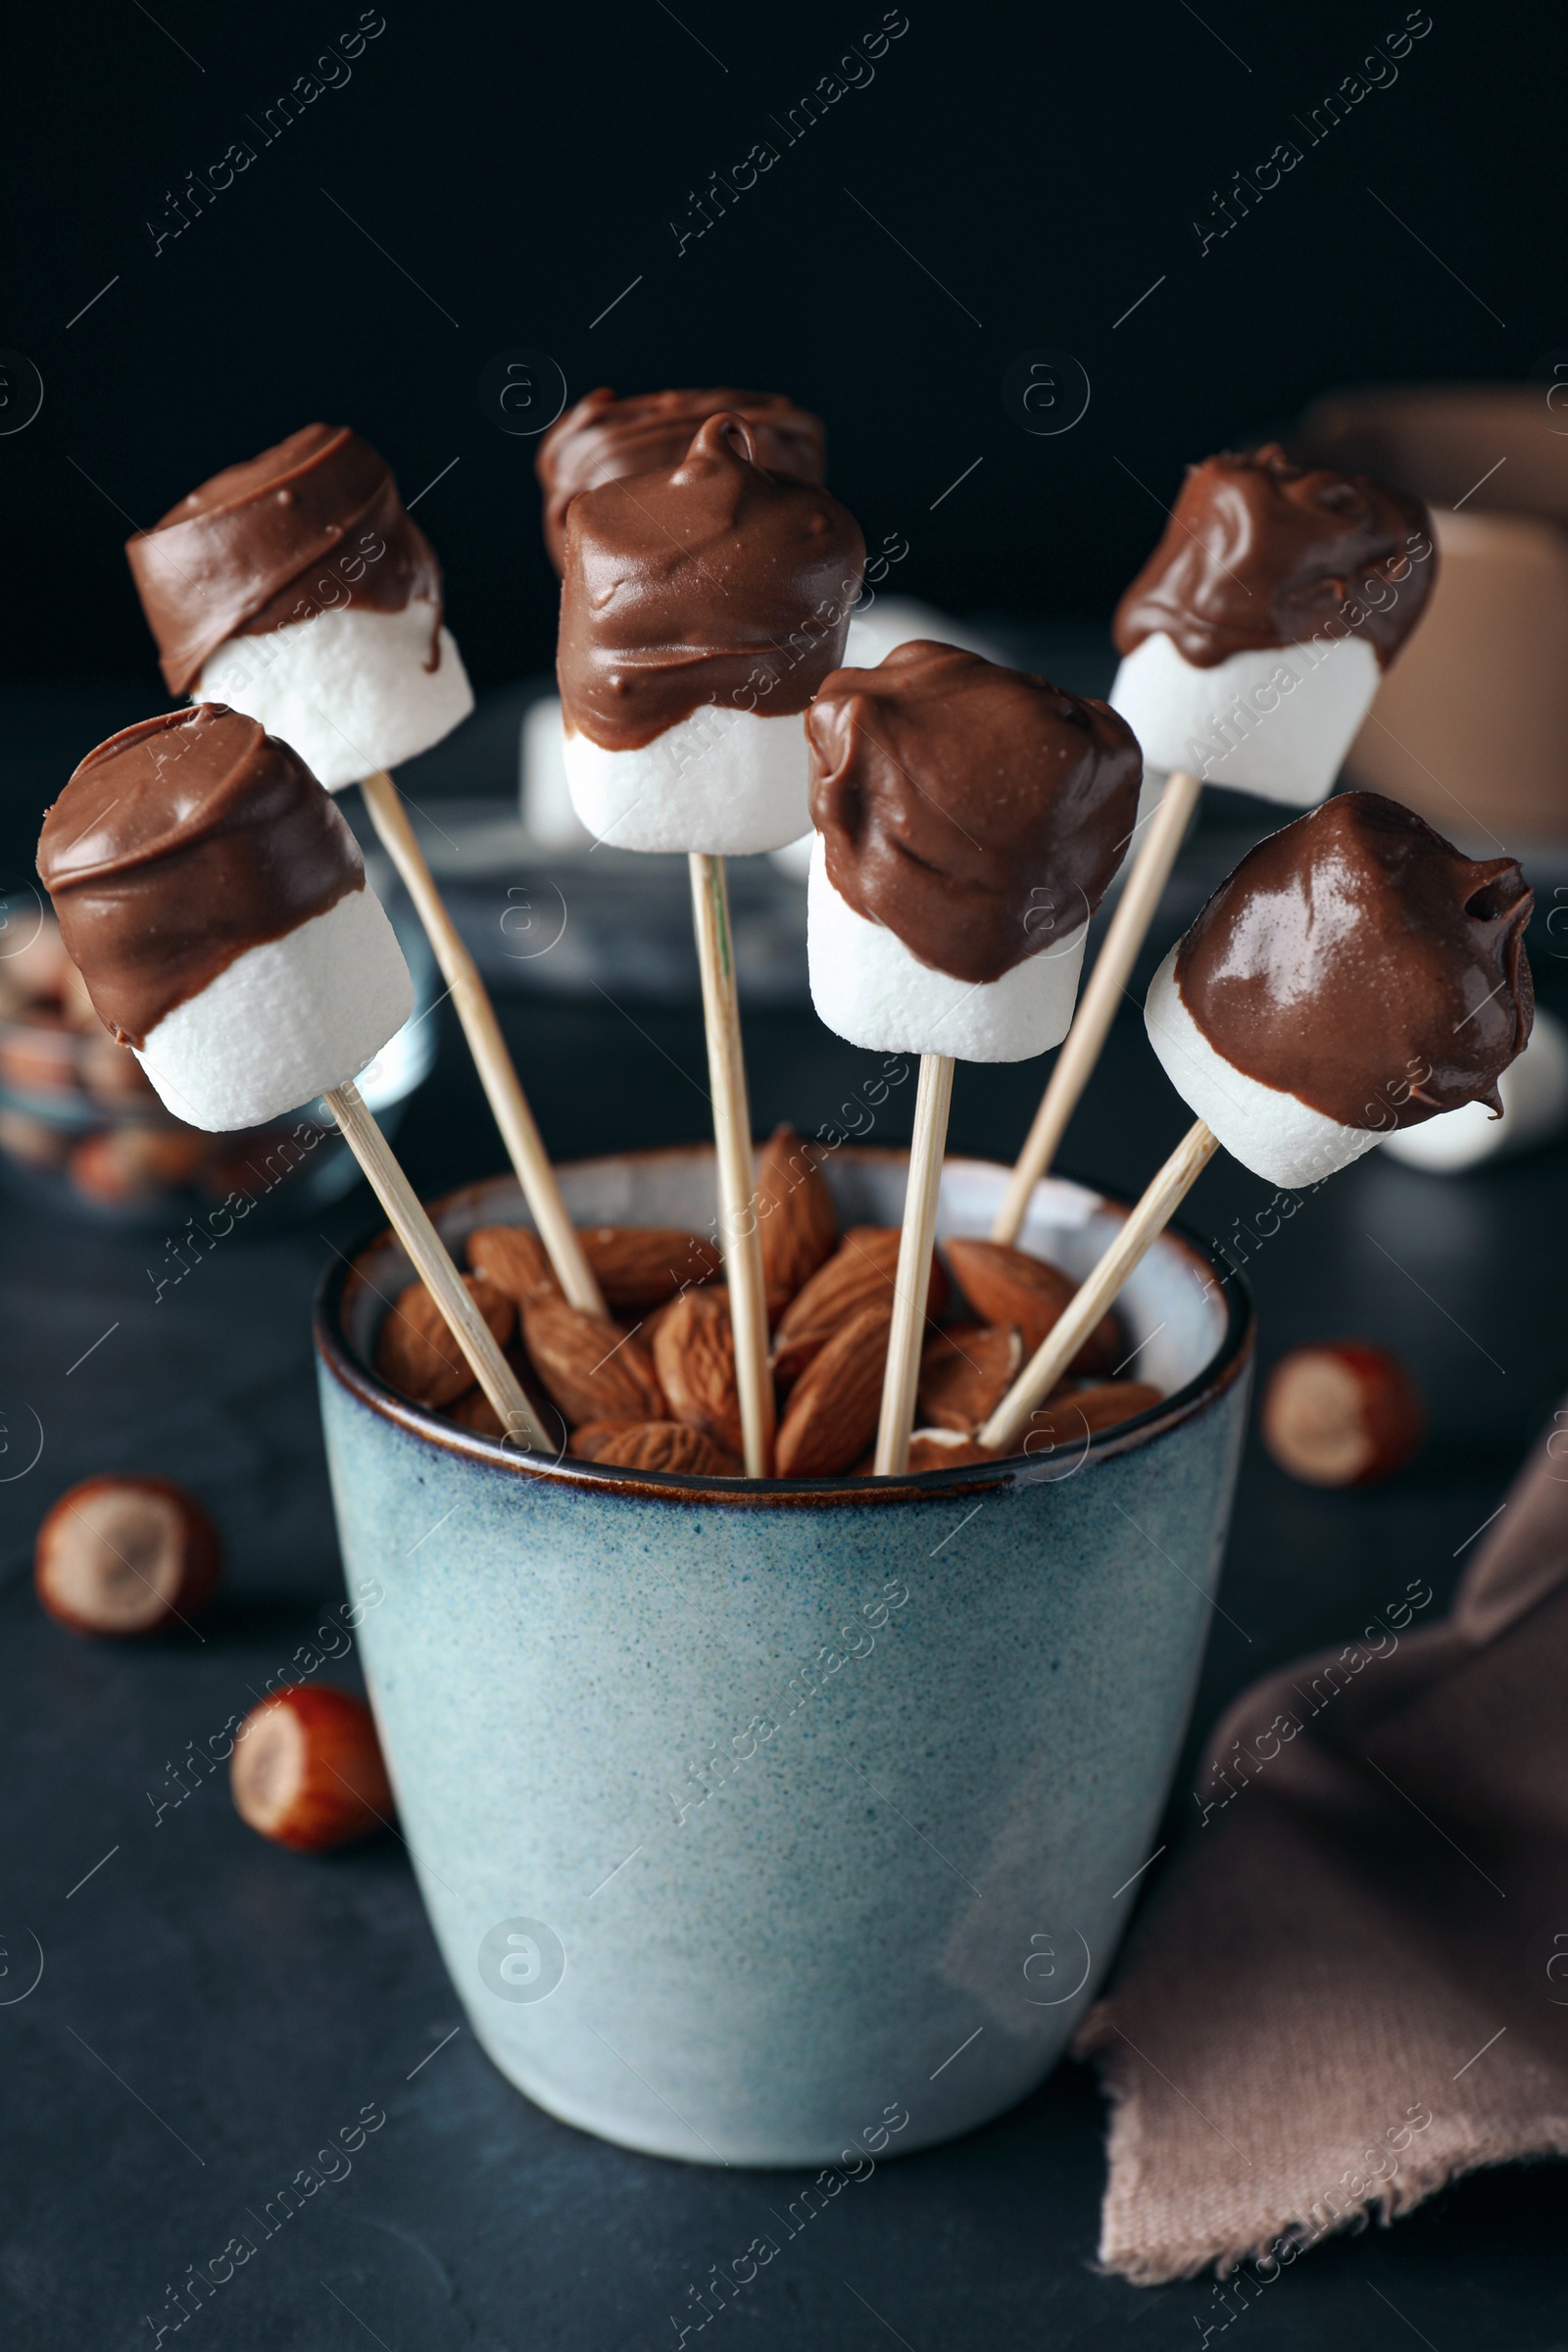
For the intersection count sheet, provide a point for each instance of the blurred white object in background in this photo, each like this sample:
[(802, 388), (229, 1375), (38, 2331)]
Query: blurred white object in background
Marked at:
[(546, 809), (1535, 1108), (891, 620)]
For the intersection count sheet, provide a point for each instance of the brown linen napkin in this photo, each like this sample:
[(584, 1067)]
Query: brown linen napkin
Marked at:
[(1353, 1984)]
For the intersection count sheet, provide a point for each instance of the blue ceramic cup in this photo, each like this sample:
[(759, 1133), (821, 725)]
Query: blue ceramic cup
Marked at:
[(777, 1823)]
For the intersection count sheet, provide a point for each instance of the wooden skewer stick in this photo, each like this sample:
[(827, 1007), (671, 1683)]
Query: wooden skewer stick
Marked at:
[(472, 999), (1089, 1302), (435, 1270), (740, 1233), (912, 1281), (1097, 1007)]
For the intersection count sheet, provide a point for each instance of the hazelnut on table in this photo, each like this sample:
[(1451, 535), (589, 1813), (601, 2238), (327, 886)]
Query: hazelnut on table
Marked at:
[(307, 1769), (125, 1555)]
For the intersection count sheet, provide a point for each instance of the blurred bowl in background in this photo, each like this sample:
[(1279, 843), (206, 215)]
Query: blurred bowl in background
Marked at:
[(1470, 725), (81, 1124)]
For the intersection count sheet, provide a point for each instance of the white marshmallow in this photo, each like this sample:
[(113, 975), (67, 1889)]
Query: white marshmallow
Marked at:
[(868, 988), (1535, 1107), (349, 691), (1276, 1135), (284, 1021), (724, 782), (1277, 722)]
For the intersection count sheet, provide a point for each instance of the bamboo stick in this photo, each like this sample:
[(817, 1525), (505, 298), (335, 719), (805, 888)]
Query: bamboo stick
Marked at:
[(912, 1281), (1143, 1228), (520, 1131), (1097, 1007), (740, 1233), (429, 1255)]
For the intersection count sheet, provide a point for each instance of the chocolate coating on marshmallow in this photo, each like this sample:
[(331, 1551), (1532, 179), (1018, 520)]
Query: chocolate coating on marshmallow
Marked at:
[(308, 526), (716, 582), (977, 812), (176, 846), (602, 439), (1359, 962), (1259, 552)]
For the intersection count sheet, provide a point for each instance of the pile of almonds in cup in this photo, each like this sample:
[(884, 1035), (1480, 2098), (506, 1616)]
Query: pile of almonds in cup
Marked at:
[(652, 1385)]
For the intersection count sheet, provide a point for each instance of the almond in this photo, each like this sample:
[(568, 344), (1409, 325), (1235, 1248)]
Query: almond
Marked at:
[(416, 1355), (1071, 1418), (668, 1446), (641, 1265), (694, 1352), (934, 1450), (966, 1371), (589, 1436), (832, 1413), (799, 1221), (859, 1273), (928, 1452), (648, 1322), (514, 1258), (591, 1368), (477, 1412), (1007, 1286)]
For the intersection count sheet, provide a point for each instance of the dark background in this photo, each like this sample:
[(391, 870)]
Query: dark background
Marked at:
[(521, 167), (201, 1987)]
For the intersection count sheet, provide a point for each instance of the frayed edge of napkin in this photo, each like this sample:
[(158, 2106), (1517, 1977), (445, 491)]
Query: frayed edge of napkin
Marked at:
[(1275, 2247)]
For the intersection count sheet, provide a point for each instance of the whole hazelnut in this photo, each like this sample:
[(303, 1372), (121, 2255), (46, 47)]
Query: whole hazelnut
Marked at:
[(1342, 1413), (125, 1555), (307, 1769)]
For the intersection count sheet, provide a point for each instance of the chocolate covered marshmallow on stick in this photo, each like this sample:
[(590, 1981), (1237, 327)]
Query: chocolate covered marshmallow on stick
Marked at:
[(297, 588), (701, 606), (603, 438), (1354, 976), (1253, 643), (969, 819), (215, 902)]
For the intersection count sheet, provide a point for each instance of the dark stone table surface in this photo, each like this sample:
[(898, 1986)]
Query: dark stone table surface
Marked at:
[(211, 2009)]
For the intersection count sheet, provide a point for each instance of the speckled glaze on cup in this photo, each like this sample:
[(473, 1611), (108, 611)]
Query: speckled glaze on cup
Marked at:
[(753, 1818)]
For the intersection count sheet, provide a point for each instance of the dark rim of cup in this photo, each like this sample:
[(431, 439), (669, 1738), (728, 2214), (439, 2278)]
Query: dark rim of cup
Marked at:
[(1223, 1369)]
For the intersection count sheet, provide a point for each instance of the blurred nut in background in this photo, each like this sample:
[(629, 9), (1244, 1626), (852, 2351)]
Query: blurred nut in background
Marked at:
[(125, 1555), (1342, 1414)]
